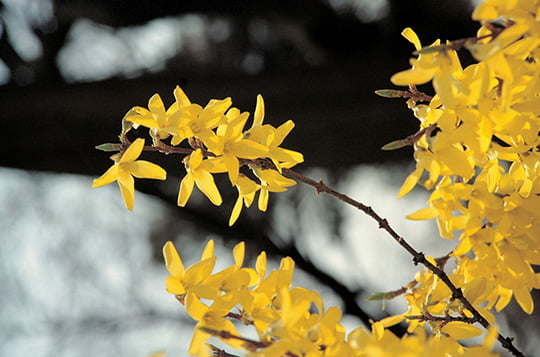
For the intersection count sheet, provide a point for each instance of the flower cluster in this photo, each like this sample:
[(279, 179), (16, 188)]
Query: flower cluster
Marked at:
[(219, 143), (288, 321), (479, 155)]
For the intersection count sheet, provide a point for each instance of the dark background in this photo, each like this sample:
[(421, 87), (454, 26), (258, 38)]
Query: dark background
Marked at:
[(315, 64)]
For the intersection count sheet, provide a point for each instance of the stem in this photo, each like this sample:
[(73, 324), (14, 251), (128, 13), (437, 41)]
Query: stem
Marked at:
[(418, 257)]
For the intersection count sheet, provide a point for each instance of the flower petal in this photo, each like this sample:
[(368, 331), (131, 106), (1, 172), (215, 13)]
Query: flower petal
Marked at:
[(186, 188), (127, 188), (236, 210), (259, 112), (109, 176), (145, 169), (205, 182), (133, 151), (173, 262), (181, 97)]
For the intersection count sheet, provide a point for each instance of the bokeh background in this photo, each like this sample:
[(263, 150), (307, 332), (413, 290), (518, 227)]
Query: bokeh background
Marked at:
[(82, 276)]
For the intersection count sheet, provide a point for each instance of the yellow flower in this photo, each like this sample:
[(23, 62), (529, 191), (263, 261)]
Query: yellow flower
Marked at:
[(271, 181), (229, 144), (155, 117), (127, 167), (194, 120), (246, 194), (439, 65), (212, 317), (198, 172), (193, 279)]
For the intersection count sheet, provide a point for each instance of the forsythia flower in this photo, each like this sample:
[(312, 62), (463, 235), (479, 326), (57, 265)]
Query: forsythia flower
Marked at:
[(198, 172), (230, 144), (293, 320), (128, 166), (155, 117), (246, 194)]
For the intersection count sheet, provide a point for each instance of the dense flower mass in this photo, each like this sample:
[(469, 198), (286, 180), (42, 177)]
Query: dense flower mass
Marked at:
[(480, 158), (288, 321), (219, 143)]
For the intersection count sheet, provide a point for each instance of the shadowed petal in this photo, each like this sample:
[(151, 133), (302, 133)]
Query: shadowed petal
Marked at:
[(205, 183), (186, 188), (127, 188)]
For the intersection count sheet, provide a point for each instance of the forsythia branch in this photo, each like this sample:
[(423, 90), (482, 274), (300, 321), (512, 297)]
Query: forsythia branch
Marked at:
[(418, 257)]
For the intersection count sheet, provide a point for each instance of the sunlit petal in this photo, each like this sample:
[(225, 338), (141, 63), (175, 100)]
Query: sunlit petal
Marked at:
[(109, 176), (145, 169)]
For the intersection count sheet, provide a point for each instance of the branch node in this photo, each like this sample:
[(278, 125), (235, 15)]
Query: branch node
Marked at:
[(418, 258), (319, 187), (457, 294)]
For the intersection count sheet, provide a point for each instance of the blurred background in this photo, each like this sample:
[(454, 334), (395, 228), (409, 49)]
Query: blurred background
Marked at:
[(82, 276)]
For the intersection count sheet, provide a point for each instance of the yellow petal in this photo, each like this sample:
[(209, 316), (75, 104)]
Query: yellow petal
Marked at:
[(463, 247), (410, 182), (259, 112), (199, 271), (195, 159), (236, 210), (181, 97), (233, 167), (412, 37), (282, 131), (173, 262), (145, 169), (412, 76), (526, 188), (263, 200), (523, 297), (505, 295), (205, 182), (248, 149), (424, 213), (208, 251), (457, 161), (485, 11), (186, 188), (238, 253), (194, 307), (392, 320), (197, 342), (133, 151), (377, 329), (442, 82), (174, 286), (127, 188), (460, 330), (474, 290), (109, 176), (260, 264)]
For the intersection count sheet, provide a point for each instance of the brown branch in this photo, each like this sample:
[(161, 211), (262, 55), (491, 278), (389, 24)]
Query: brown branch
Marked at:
[(218, 352), (226, 335), (418, 257), (444, 319)]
